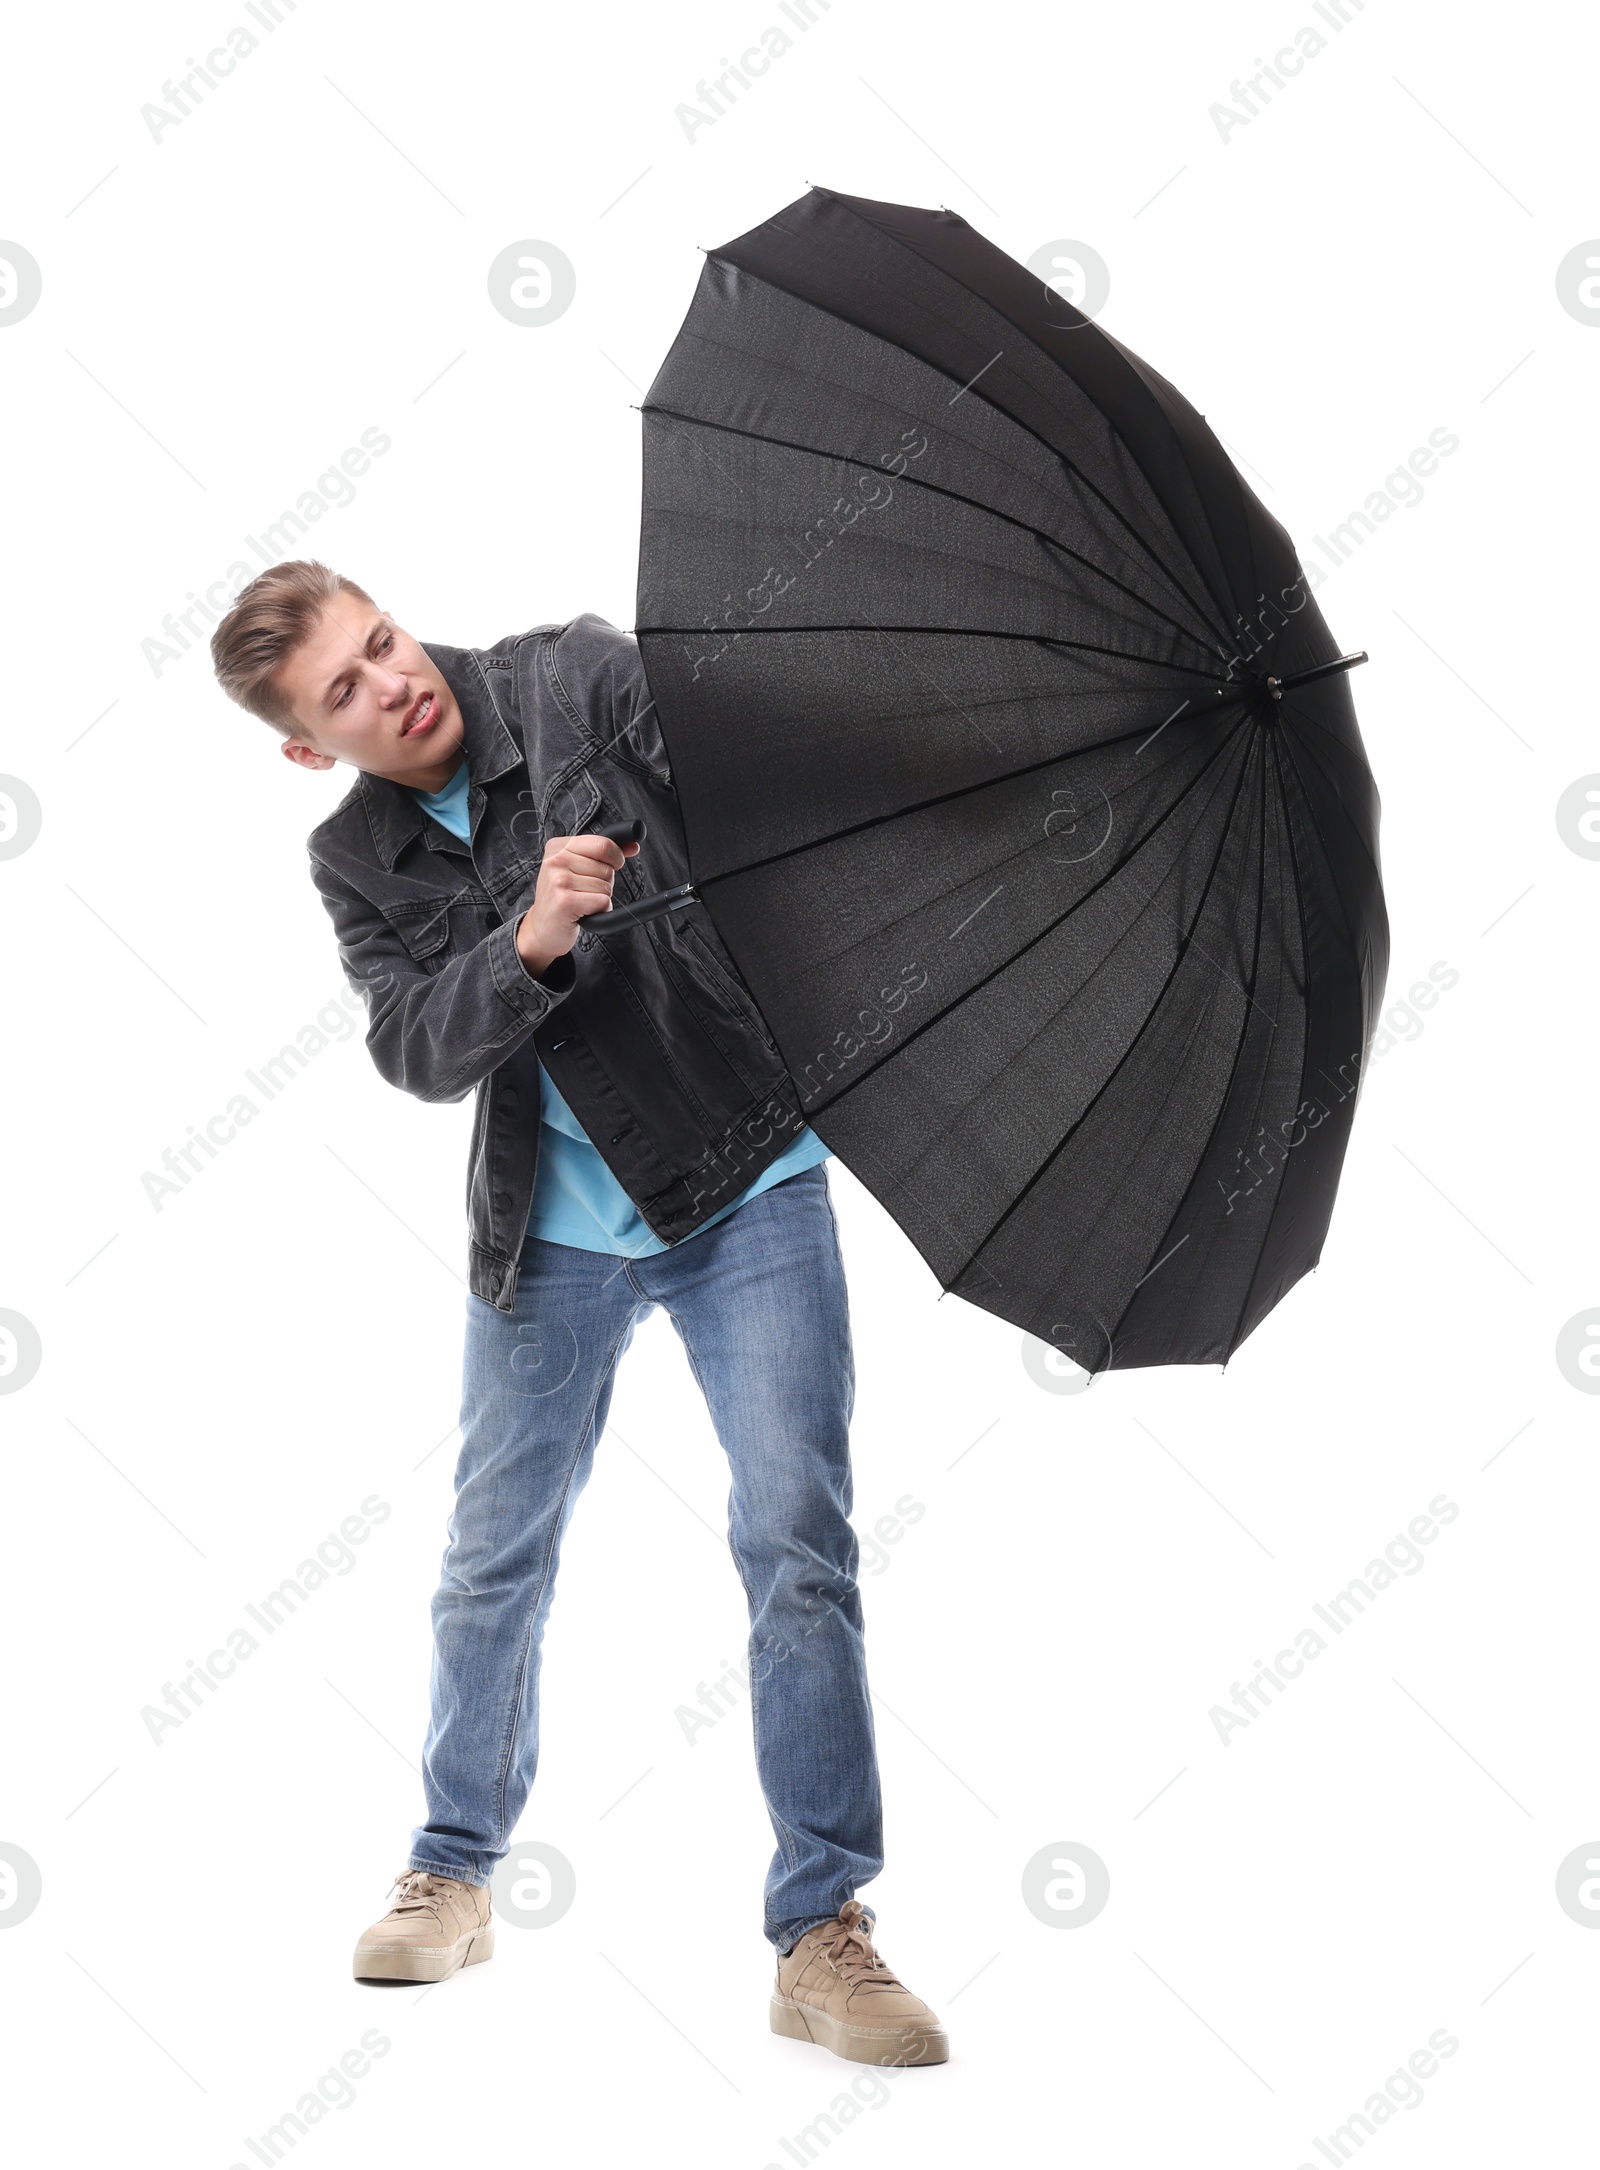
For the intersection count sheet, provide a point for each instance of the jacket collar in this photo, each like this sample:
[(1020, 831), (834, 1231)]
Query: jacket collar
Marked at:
[(489, 746)]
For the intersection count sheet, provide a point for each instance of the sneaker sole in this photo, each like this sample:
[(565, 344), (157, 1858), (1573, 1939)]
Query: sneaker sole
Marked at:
[(861, 2045), (392, 1963)]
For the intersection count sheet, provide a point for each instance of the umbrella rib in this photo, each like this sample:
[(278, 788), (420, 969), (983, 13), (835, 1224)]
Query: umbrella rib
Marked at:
[(1305, 966), (942, 798), (715, 256), (943, 632), (1033, 941), (1127, 1053), (1288, 752), (1162, 1248), (1305, 959), (956, 497), (1057, 1150), (1305, 721), (892, 922), (1311, 754), (1244, 1026), (1344, 816), (899, 241)]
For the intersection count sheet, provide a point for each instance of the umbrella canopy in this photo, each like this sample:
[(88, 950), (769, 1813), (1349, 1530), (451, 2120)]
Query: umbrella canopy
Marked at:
[(968, 644)]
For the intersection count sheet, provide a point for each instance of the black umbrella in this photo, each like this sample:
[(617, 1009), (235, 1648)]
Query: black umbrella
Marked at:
[(1020, 777)]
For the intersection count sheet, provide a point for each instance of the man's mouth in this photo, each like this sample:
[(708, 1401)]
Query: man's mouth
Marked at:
[(423, 711)]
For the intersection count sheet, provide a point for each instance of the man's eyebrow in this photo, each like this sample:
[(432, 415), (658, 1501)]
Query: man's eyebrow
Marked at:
[(378, 626)]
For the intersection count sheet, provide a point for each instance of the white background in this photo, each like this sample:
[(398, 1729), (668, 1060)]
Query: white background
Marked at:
[(1292, 1914)]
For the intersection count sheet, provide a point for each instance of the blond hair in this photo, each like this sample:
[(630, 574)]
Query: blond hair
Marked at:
[(269, 620)]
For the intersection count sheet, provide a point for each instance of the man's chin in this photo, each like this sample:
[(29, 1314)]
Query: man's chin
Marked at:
[(414, 754)]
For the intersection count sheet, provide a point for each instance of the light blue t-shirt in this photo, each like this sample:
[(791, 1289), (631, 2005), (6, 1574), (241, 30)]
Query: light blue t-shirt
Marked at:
[(576, 1198)]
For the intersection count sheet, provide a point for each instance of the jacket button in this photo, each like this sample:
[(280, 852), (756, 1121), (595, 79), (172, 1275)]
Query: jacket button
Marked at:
[(617, 1140)]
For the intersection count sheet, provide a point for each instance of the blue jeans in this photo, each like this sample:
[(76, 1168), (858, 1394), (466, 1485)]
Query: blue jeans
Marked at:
[(760, 1305)]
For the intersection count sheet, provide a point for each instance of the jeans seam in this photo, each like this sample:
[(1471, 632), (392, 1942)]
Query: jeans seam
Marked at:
[(509, 1748), (849, 1338), (786, 1847)]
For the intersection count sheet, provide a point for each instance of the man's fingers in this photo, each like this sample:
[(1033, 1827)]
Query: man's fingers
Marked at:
[(576, 878), (591, 851), (576, 849)]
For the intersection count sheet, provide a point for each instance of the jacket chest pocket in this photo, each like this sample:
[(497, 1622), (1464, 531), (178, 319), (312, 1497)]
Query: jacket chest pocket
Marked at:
[(568, 807), (444, 927), (570, 804)]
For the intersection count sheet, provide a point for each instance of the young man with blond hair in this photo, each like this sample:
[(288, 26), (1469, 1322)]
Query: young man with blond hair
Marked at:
[(637, 1142)]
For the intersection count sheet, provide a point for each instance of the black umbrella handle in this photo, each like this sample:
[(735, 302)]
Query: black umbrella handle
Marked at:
[(625, 916)]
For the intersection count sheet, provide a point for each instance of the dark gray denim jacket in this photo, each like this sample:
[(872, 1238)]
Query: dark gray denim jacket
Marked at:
[(650, 1034)]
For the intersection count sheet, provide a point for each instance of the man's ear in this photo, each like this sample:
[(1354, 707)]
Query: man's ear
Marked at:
[(304, 756)]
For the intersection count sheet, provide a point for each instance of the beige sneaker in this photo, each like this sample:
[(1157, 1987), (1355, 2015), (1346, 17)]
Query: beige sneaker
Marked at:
[(436, 1926), (833, 1989)]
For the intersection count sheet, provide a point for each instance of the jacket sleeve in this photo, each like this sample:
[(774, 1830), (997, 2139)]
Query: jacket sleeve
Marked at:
[(601, 675), (437, 1034)]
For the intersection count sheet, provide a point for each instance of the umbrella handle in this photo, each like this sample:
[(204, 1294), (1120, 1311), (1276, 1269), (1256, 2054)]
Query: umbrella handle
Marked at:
[(624, 916), (648, 908)]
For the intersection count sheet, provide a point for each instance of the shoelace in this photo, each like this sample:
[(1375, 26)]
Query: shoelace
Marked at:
[(417, 1893), (850, 1952)]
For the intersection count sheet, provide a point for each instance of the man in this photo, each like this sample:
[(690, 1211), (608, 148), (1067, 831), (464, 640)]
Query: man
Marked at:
[(636, 1142)]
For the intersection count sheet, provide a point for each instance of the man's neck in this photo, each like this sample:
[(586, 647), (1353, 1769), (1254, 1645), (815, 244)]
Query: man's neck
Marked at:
[(437, 780)]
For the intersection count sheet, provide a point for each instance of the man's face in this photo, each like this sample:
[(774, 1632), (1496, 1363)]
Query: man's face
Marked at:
[(362, 691)]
